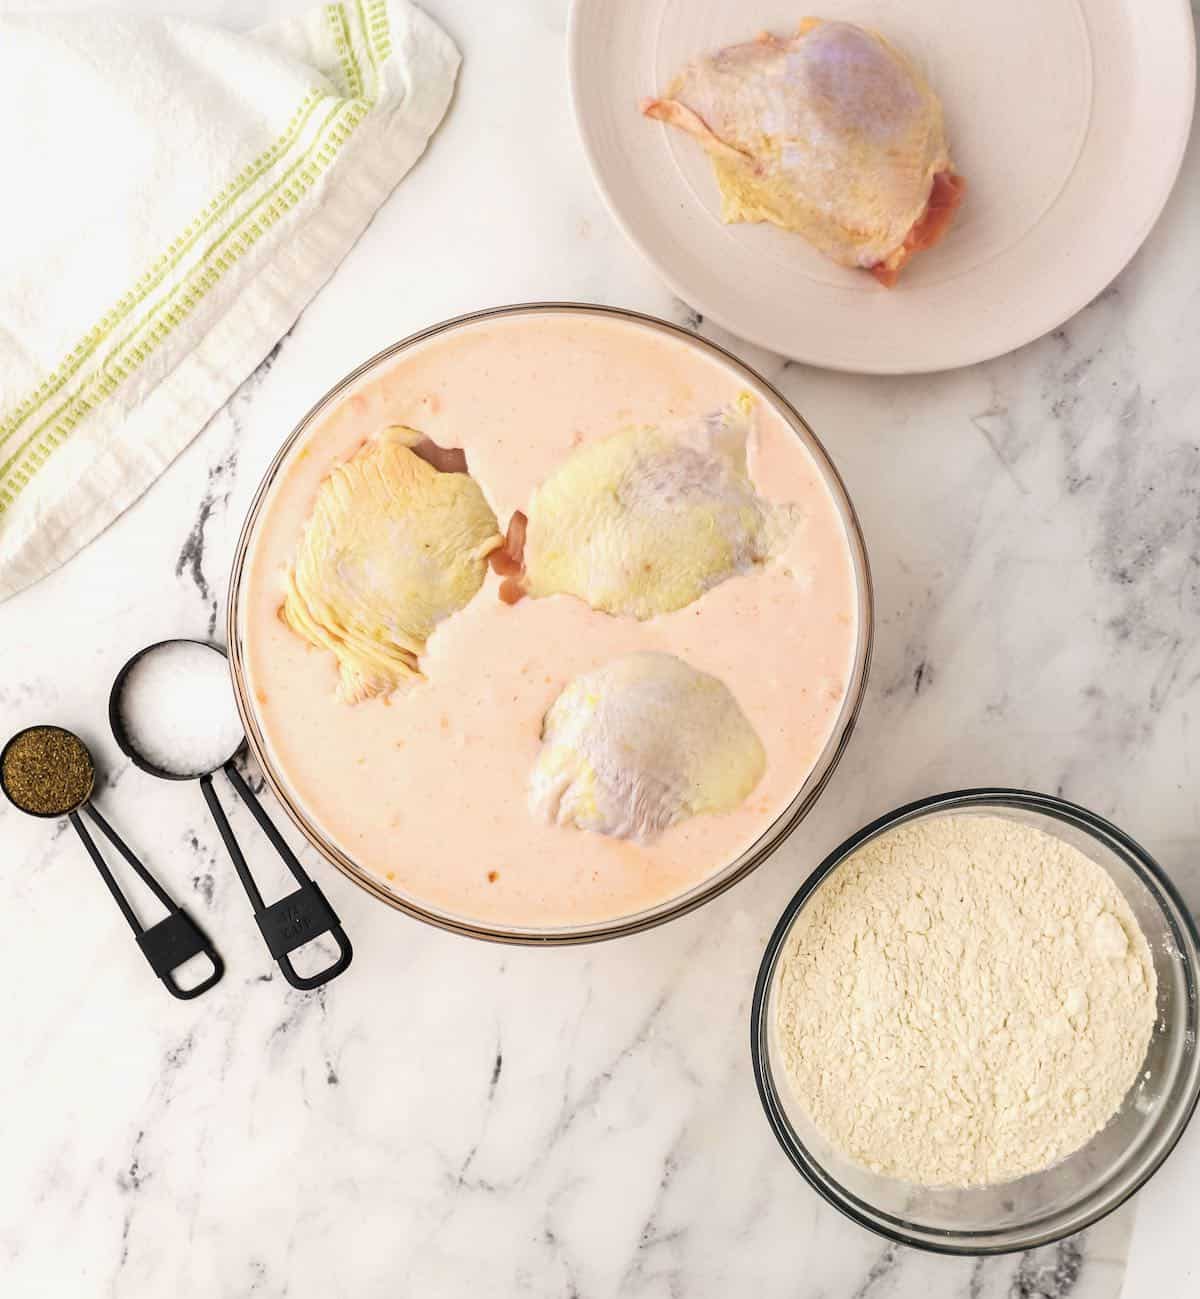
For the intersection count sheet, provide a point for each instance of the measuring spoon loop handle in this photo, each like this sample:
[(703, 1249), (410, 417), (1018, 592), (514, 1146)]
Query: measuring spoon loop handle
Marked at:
[(226, 832), (306, 982), (105, 874), (175, 938), (295, 919), (123, 848), (259, 813)]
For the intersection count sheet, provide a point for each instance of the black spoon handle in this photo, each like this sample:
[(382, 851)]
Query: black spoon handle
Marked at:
[(105, 874), (298, 917), (123, 848), (171, 941)]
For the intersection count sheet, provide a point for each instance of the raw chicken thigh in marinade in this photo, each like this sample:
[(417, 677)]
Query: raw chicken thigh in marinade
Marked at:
[(397, 541), (432, 796), (832, 133), (644, 521), (641, 743), (638, 524)]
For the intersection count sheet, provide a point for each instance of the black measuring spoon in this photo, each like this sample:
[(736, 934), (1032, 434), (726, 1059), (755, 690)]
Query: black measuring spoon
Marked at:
[(47, 771), (293, 920)]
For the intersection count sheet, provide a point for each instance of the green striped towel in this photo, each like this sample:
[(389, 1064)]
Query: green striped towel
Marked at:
[(182, 192)]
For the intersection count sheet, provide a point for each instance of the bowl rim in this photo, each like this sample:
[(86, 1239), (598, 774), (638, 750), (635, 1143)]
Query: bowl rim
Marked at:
[(948, 1242), (747, 326), (732, 872)]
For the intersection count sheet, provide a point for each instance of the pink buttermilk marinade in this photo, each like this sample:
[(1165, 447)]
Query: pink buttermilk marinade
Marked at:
[(426, 791)]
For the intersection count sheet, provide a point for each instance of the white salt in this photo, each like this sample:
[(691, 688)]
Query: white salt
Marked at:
[(178, 709)]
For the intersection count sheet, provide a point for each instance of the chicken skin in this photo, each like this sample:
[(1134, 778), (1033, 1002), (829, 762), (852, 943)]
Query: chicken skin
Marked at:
[(640, 744), (644, 521), (832, 134), (394, 545)]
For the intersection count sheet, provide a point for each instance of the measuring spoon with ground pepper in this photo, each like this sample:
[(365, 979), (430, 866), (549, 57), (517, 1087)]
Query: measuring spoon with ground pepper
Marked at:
[(47, 771)]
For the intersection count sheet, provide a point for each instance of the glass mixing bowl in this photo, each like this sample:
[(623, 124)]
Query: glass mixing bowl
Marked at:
[(1088, 1184), (724, 874)]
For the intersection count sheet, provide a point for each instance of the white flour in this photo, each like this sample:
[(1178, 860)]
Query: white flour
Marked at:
[(964, 1001)]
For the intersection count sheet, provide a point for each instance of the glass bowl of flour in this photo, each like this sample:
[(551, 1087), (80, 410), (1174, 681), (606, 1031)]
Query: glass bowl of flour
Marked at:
[(975, 1026)]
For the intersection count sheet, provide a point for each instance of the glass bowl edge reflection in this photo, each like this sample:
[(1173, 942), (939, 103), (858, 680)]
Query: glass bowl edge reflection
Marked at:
[(1133, 1170), (721, 879)]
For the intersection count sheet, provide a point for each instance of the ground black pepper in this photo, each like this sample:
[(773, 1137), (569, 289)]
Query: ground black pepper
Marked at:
[(47, 771)]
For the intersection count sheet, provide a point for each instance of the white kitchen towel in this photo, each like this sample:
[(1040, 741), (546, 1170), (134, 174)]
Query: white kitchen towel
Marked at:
[(173, 195)]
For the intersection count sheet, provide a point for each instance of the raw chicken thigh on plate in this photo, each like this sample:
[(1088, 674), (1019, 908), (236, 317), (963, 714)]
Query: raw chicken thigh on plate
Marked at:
[(831, 133)]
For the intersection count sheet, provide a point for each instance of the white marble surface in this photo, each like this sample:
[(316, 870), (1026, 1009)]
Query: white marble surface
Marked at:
[(455, 1119)]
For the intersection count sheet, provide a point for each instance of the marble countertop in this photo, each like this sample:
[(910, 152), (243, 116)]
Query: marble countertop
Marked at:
[(454, 1118)]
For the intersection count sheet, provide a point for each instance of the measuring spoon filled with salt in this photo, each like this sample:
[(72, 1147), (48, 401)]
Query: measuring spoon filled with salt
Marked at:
[(47, 771), (173, 713)]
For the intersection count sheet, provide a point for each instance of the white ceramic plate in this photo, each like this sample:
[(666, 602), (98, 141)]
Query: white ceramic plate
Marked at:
[(1069, 119)]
